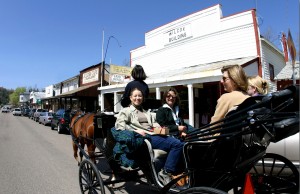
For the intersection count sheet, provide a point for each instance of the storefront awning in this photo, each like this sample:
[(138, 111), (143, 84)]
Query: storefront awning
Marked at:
[(201, 73), (73, 92), (206, 71)]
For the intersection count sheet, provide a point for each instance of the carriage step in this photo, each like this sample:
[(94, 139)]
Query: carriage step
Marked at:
[(129, 168), (98, 155)]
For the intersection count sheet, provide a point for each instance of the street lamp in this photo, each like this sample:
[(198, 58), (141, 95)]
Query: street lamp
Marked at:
[(103, 61)]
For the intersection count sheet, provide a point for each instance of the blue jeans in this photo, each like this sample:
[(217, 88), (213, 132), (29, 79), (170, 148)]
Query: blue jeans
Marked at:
[(173, 146)]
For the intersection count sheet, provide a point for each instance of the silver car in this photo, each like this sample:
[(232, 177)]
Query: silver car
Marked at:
[(17, 112), (45, 118)]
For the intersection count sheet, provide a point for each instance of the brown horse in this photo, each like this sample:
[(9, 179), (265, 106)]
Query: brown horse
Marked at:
[(82, 129)]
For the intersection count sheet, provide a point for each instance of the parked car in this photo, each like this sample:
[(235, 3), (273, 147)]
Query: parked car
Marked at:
[(17, 112), (31, 112), (36, 114), (45, 118), (61, 120), (25, 112), (4, 110)]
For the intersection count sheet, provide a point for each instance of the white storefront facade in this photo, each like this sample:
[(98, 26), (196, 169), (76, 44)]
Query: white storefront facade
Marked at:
[(189, 52)]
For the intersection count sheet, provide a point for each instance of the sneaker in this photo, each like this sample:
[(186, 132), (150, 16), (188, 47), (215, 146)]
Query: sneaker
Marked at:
[(164, 177)]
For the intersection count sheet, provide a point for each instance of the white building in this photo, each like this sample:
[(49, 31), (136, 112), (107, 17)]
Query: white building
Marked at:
[(49, 91), (24, 97), (189, 52), (35, 99)]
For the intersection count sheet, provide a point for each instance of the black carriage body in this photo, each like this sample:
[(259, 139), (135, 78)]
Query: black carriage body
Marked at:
[(216, 161), (221, 154), (102, 123), (220, 164)]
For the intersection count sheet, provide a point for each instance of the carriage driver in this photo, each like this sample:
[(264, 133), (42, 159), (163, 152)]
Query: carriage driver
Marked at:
[(134, 119)]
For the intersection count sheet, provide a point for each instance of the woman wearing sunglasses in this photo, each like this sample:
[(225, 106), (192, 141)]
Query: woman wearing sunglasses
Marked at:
[(235, 83), (170, 116)]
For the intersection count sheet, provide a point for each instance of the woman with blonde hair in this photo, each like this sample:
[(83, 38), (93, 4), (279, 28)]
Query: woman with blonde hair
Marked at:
[(257, 86)]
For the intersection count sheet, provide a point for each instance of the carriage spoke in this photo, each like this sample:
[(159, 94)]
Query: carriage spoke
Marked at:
[(281, 170), (255, 169), (263, 165)]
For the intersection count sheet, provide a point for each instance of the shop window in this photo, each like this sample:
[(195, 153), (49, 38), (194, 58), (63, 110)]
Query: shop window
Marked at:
[(271, 71)]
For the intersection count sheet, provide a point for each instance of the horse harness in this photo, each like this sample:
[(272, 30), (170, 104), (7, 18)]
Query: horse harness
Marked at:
[(82, 125)]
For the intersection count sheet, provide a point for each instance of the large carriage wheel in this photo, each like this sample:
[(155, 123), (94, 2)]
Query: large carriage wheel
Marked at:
[(90, 180), (271, 178), (202, 190)]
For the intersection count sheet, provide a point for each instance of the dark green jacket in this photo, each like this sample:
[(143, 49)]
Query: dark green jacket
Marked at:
[(165, 118)]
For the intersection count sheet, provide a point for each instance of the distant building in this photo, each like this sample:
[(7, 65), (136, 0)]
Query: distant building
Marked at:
[(286, 76), (78, 92), (24, 99)]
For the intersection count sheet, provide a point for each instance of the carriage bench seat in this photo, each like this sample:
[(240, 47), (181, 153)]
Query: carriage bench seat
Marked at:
[(157, 156)]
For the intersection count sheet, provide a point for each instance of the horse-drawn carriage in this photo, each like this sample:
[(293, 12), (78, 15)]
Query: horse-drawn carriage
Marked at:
[(217, 157)]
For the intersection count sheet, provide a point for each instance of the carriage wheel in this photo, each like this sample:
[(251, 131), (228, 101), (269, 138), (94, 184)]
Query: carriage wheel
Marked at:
[(271, 178), (202, 190), (90, 180)]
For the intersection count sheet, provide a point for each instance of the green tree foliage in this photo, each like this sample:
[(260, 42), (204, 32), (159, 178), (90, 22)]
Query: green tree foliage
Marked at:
[(14, 97), (4, 96)]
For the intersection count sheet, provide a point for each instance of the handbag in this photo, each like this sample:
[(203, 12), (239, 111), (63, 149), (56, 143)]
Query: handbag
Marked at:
[(161, 130)]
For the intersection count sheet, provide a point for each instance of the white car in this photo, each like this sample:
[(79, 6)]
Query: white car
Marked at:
[(17, 112), (288, 148), (5, 109), (45, 118)]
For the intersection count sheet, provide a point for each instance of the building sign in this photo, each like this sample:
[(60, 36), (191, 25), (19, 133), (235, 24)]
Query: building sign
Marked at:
[(177, 34), (117, 78), (90, 76), (121, 70)]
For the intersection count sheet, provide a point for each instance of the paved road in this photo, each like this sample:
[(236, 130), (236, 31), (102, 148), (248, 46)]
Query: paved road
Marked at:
[(35, 159)]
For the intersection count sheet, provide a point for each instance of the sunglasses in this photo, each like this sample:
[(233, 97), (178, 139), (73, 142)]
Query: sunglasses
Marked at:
[(225, 79), (171, 96)]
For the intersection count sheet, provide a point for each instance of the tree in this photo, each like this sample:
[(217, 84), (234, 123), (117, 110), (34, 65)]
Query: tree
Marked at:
[(14, 97), (269, 35), (4, 96)]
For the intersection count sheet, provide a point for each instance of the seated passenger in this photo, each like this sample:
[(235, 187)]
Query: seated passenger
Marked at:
[(235, 83), (257, 86), (169, 115), (135, 118)]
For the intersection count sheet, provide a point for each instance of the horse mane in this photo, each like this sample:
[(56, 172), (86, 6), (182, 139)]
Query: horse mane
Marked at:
[(74, 113)]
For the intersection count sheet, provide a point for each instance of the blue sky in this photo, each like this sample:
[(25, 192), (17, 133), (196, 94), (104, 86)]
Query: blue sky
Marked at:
[(46, 42)]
